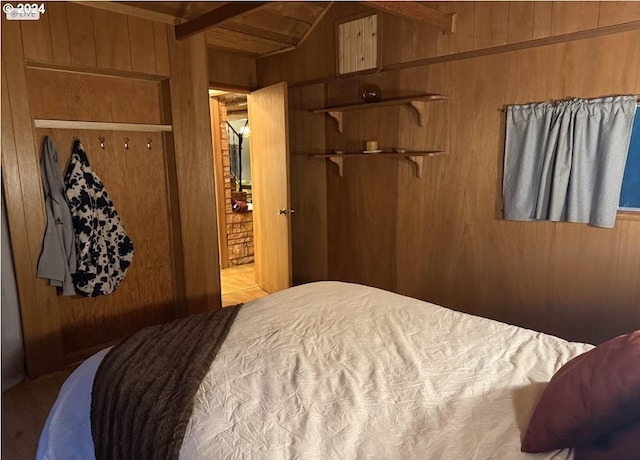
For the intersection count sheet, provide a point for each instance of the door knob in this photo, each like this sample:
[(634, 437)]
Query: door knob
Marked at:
[(282, 211)]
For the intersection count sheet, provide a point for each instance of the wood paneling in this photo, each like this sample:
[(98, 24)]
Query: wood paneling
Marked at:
[(308, 177), (308, 61), (146, 295), (241, 27), (302, 11), (442, 238), (521, 19), (57, 12), (542, 19), (618, 12), (35, 39), (231, 69), (160, 33), (479, 26), (270, 21), (81, 35), (25, 210), (567, 17), (194, 166), (462, 40), (73, 34), (142, 41), (92, 98), (229, 39), (420, 40), (491, 24), (443, 40), (86, 64), (112, 40), (354, 201)]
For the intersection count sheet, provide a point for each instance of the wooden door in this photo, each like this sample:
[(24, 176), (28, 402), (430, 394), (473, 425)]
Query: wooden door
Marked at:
[(269, 137)]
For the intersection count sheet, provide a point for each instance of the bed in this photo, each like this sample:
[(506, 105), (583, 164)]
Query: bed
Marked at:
[(334, 370)]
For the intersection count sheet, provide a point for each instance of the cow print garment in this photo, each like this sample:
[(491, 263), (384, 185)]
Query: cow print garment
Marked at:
[(104, 249)]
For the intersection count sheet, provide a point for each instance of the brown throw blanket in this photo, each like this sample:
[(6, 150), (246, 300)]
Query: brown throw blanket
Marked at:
[(143, 391)]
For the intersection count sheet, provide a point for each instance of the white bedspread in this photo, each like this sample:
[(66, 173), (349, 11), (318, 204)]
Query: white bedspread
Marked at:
[(339, 371)]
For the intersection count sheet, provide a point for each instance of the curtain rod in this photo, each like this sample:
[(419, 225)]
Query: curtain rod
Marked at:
[(504, 109)]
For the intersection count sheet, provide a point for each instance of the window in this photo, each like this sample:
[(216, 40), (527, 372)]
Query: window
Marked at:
[(630, 195)]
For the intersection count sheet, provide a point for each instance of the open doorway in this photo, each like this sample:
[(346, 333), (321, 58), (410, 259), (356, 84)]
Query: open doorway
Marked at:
[(265, 216), (234, 195)]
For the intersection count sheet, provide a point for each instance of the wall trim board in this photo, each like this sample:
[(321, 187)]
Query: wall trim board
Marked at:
[(100, 72), (190, 115), (219, 180), (547, 41), (173, 202)]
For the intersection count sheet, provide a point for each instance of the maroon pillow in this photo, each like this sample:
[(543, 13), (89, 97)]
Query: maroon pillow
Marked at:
[(591, 396), (623, 444)]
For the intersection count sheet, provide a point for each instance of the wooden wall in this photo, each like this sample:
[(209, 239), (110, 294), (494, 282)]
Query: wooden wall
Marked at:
[(441, 238), (231, 70), (80, 63), (308, 186), (195, 173)]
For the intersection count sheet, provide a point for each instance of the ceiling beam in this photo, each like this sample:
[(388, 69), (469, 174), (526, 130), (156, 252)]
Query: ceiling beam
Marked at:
[(416, 11), (214, 17)]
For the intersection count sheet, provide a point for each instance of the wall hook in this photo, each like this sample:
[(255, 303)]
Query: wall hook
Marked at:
[(101, 142), (149, 140), (126, 143)]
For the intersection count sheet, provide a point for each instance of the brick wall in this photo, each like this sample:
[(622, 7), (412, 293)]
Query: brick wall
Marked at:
[(239, 225)]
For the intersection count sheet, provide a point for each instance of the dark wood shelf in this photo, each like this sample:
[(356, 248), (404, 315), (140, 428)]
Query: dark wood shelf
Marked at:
[(384, 103)]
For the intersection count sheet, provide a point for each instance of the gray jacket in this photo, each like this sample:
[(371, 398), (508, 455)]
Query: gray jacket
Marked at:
[(58, 258)]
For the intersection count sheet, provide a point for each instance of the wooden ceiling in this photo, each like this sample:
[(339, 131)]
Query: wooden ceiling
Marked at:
[(259, 28), (265, 28)]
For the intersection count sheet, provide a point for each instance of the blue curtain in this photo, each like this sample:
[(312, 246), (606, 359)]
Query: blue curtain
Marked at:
[(565, 162)]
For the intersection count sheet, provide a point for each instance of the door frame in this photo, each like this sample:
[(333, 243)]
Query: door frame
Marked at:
[(218, 169), (218, 172)]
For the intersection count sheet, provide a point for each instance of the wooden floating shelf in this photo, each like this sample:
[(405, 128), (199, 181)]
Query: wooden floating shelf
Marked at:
[(100, 125), (416, 102), (416, 158)]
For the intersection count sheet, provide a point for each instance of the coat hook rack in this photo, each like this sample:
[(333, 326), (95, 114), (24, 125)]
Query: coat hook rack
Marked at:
[(101, 142), (149, 140), (126, 143)]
